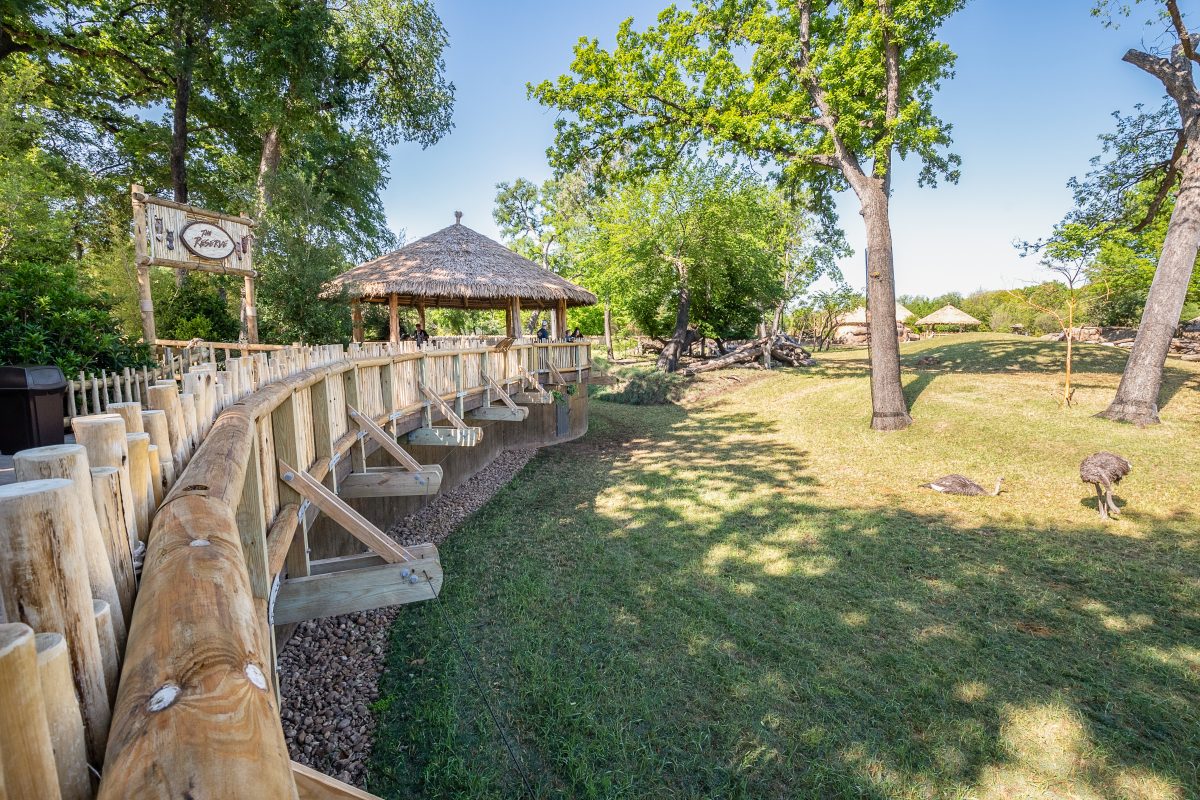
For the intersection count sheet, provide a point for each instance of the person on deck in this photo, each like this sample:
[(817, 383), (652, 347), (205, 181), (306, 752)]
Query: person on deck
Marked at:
[(420, 335), (574, 335), (543, 334), (404, 337)]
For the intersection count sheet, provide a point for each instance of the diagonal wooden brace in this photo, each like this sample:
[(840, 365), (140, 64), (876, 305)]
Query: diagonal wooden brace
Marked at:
[(536, 385), (336, 509), (384, 440), (444, 407), (556, 377), (501, 391)]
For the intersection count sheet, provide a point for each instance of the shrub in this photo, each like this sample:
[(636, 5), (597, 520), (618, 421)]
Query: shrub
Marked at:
[(642, 386), (47, 318)]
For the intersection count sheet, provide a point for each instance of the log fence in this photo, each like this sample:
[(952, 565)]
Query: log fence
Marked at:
[(206, 475)]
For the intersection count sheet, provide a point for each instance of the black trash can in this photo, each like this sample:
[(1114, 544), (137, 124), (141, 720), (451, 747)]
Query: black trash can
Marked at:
[(31, 407)]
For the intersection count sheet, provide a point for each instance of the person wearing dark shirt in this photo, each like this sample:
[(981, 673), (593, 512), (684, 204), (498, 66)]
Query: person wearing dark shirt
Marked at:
[(543, 334), (574, 335), (420, 335)]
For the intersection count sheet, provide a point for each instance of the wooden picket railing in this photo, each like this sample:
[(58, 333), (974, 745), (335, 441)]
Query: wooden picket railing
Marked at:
[(169, 681)]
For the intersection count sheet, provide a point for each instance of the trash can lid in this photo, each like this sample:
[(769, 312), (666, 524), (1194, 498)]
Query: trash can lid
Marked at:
[(31, 376)]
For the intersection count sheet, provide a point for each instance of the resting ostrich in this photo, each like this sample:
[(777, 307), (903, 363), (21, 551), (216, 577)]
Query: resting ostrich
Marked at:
[(1104, 470), (959, 484)]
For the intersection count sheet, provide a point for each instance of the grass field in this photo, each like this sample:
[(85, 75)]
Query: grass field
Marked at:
[(748, 597)]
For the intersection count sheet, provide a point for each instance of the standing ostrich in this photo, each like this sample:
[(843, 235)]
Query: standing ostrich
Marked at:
[(1103, 470), (960, 484)]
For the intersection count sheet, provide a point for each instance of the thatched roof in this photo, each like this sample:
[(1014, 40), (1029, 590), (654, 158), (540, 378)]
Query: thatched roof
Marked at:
[(459, 268), (859, 316), (949, 315)]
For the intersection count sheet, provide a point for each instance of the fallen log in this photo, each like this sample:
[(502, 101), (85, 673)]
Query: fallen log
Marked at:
[(747, 352)]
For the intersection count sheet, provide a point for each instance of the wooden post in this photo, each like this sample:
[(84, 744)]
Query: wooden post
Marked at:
[(63, 719), (356, 320), (140, 260), (560, 319), (106, 495), (131, 413), (139, 482), (165, 397), (104, 437), (155, 424), (608, 345), (421, 313), (26, 750), (251, 309), (103, 616), (156, 476), (393, 318), (70, 461), (516, 312), (43, 580)]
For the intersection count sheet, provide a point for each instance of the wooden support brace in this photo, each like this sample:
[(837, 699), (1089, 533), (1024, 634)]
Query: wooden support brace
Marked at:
[(556, 377), (313, 785), (363, 589), (444, 407), (498, 414), (385, 440), (501, 391), (355, 524), (536, 385), (391, 482)]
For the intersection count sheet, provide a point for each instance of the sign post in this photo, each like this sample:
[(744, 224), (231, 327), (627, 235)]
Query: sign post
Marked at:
[(180, 236)]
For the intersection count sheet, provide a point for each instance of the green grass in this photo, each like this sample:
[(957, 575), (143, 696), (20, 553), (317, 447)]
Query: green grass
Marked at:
[(748, 597)]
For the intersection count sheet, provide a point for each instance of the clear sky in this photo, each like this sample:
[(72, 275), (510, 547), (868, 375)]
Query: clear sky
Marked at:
[(1036, 82)]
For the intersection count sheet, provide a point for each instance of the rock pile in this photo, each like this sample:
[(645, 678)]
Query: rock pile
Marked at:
[(329, 670), (1186, 343)]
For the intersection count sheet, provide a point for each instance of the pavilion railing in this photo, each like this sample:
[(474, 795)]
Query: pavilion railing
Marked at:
[(191, 474)]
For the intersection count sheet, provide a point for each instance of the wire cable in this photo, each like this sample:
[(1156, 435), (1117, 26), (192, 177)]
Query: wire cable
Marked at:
[(508, 745)]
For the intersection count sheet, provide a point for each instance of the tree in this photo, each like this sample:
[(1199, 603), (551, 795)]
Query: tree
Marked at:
[(531, 222), (696, 245), (1137, 395), (818, 315), (833, 90), (1069, 254)]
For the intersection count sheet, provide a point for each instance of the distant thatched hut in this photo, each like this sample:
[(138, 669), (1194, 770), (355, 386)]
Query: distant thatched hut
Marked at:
[(949, 315), (457, 267), (853, 327)]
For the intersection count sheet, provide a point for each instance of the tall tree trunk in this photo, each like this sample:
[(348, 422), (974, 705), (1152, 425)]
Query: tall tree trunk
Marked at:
[(179, 126), (268, 165), (608, 329), (888, 406), (1137, 396), (668, 359)]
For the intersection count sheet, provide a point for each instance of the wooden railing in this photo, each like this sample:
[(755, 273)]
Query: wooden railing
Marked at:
[(217, 484)]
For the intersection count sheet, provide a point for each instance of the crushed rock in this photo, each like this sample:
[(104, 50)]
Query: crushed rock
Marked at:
[(329, 670)]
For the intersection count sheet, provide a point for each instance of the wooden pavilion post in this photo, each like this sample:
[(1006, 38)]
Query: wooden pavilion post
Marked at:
[(512, 318), (140, 260), (560, 320), (421, 313), (356, 322), (393, 318)]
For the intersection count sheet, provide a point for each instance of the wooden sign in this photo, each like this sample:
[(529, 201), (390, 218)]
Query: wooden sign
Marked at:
[(207, 240), (184, 237)]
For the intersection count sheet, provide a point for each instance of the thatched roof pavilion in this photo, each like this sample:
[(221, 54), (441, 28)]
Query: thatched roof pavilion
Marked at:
[(949, 315), (457, 267), (858, 316)]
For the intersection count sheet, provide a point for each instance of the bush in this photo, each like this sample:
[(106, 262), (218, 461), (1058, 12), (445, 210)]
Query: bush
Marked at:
[(47, 318), (199, 309), (642, 386)]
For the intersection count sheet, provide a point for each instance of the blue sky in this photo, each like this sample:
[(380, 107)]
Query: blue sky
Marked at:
[(1036, 82)]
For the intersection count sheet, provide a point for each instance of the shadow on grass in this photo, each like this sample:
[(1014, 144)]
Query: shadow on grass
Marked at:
[(665, 608)]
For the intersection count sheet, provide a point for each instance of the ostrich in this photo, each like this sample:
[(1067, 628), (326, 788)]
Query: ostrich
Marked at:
[(1103, 470), (959, 484)]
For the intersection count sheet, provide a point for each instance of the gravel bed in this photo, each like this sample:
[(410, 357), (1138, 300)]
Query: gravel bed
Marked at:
[(329, 670)]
